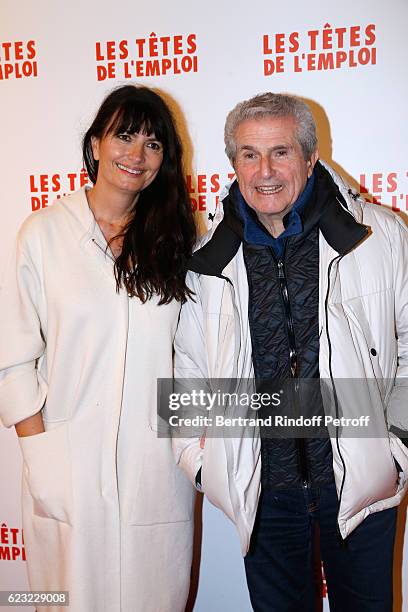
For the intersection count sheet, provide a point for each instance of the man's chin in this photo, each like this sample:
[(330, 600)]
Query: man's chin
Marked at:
[(271, 208)]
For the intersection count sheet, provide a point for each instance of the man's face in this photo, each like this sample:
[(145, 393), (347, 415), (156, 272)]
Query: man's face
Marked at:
[(270, 166)]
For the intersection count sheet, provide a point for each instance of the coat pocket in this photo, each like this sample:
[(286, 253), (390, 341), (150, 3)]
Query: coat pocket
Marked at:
[(47, 473)]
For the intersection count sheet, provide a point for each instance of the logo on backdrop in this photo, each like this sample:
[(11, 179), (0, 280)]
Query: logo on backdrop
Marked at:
[(204, 189), (389, 188), (46, 187), (11, 544), (153, 56), (17, 60), (327, 48)]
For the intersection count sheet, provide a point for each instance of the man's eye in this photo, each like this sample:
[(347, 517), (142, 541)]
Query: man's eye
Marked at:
[(281, 153), (249, 155)]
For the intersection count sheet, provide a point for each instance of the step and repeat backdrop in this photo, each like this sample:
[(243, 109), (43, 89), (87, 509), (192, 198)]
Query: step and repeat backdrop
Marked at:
[(58, 60)]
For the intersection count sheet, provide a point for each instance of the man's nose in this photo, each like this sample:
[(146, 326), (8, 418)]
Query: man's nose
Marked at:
[(267, 167)]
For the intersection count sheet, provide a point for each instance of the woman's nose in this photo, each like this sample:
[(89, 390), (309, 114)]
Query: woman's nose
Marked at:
[(136, 151)]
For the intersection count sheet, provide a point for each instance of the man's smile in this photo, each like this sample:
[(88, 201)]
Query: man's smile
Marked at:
[(269, 189)]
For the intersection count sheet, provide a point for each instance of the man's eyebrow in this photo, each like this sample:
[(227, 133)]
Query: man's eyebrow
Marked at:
[(247, 147)]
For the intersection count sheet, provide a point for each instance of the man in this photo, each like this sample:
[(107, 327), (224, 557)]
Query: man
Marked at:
[(301, 279)]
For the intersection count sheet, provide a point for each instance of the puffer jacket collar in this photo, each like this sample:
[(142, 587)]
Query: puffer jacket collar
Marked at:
[(338, 226)]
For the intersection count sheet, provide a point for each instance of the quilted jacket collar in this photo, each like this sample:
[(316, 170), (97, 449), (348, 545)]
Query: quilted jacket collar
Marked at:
[(338, 225)]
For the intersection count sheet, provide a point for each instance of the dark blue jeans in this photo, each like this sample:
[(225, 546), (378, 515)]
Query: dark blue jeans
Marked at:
[(293, 527)]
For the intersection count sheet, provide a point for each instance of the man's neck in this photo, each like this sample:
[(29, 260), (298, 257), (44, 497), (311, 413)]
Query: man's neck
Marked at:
[(273, 225)]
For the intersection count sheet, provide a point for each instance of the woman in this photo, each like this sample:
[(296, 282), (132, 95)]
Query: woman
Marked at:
[(88, 317)]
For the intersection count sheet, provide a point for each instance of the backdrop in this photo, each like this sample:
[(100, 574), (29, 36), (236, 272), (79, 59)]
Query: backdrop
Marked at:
[(57, 60)]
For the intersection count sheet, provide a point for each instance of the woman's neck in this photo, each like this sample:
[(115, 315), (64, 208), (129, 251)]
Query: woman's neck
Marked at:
[(112, 209), (112, 215)]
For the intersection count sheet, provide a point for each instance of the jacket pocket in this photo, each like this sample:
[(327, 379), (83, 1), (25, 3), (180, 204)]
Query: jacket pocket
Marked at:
[(47, 473), (366, 344), (400, 453)]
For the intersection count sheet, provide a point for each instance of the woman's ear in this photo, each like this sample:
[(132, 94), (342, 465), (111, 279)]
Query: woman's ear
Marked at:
[(95, 147)]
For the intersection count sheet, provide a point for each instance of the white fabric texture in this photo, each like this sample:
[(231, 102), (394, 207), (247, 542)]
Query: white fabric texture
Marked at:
[(367, 307), (107, 515)]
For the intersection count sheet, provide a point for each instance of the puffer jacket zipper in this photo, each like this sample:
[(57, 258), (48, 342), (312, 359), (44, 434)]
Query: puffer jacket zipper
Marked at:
[(294, 365)]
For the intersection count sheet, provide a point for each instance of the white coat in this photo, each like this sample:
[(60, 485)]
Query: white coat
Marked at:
[(367, 306), (115, 544)]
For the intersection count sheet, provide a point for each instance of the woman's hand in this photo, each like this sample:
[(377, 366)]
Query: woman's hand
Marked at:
[(31, 426)]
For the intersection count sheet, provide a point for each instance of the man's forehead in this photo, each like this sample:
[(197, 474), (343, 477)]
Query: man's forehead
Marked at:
[(268, 130), (267, 123)]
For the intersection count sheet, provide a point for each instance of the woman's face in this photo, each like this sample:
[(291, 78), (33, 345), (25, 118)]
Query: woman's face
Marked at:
[(127, 162)]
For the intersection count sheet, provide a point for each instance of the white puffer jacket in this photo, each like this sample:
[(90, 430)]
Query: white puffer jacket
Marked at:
[(363, 305)]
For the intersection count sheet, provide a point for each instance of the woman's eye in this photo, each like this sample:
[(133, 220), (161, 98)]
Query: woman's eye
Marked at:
[(156, 146), (124, 137)]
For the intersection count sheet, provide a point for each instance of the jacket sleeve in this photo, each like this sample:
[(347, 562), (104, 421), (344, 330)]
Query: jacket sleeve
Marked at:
[(22, 388), (190, 363), (397, 412)]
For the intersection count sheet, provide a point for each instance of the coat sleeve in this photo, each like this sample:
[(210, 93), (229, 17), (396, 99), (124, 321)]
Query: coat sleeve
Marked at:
[(397, 412), (190, 363), (22, 388)]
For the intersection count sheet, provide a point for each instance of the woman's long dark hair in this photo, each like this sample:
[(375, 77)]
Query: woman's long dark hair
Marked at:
[(160, 236)]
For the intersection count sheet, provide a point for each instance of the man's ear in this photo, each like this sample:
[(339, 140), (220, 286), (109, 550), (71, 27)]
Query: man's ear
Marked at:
[(312, 161), (95, 147), (234, 169)]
